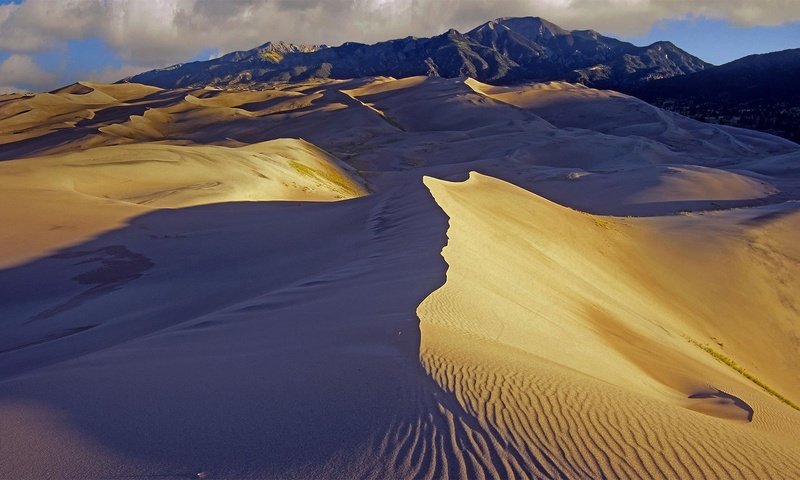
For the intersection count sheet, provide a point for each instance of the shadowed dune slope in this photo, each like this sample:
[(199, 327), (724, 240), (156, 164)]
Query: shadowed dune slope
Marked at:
[(62, 199), (577, 106), (569, 336), (202, 283)]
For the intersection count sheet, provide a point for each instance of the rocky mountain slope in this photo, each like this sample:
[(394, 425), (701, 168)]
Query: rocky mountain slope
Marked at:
[(757, 91), (503, 51)]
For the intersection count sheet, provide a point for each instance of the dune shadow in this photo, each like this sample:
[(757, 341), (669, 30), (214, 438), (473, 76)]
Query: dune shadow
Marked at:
[(118, 266), (189, 373), (601, 192), (30, 147), (691, 206), (725, 398)]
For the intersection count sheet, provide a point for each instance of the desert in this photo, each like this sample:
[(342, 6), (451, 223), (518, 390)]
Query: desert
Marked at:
[(393, 277)]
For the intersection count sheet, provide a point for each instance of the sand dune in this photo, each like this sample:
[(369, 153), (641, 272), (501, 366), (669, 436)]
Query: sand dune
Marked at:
[(63, 199), (654, 190), (576, 106), (393, 278), (525, 317)]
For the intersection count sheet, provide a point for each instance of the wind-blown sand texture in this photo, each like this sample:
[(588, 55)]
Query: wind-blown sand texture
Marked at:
[(380, 278)]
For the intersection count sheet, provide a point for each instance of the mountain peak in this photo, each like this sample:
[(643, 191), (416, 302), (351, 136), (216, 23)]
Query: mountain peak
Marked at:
[(504, 50), (531, 27), (284, 47)]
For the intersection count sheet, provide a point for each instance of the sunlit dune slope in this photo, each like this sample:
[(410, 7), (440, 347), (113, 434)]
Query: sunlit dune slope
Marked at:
[(61, 199), (31, 116), (578, 338), (182, 295), (576, 106)]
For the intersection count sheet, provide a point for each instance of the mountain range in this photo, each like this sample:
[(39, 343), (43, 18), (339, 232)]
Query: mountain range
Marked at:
[(756, 92), (401, 278), (502, 51)]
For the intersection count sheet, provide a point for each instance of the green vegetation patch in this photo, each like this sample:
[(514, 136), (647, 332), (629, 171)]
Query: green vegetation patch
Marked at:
[(741, 370), (602, 223), (328, 175)]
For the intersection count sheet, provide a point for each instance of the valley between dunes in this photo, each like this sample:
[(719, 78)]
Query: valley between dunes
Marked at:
[(393, 278)]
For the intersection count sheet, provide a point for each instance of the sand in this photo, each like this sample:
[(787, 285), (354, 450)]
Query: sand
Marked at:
[(525, 315), (62, 199), (381, 278)]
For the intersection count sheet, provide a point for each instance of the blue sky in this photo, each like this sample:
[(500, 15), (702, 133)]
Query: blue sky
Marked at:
[(719, 41), (48, 43)]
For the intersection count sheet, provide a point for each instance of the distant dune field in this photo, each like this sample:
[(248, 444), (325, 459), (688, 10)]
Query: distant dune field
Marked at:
[(393, 278)]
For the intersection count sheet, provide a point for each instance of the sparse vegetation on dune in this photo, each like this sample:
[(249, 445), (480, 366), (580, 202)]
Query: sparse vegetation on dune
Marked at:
[(721, 357), (499, 302), (328, 175)]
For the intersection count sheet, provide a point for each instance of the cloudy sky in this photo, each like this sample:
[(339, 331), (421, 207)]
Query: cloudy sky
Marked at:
[(48, 43)]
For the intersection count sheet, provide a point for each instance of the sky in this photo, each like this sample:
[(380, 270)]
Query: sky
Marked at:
[(49, 43)]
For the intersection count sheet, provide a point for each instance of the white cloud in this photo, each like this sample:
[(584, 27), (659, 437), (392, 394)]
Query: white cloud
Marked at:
[(162, 32), (23, 73), (36, 25)]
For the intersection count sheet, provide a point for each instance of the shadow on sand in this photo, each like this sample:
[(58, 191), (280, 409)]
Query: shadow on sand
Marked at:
[(229, 338)]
